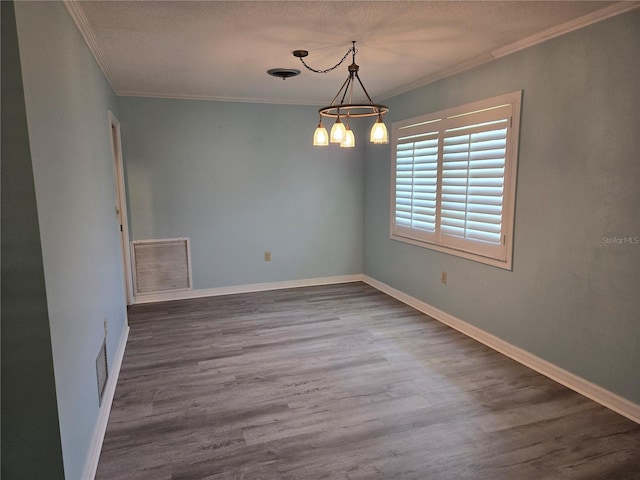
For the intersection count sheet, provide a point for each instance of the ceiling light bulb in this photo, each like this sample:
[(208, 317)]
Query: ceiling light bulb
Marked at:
[(379, 133), (338, 132), (349, 139), (320, 136)]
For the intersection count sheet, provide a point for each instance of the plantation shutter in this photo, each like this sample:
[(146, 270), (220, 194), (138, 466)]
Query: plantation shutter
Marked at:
[(473, 175), (453, 179), (416, 185)]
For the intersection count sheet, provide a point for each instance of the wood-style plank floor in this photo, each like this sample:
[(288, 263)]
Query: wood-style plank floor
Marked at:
[(342, 382)]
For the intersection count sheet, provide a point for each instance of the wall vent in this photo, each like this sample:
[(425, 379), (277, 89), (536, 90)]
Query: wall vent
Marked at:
[(161, 265), (102, 370)]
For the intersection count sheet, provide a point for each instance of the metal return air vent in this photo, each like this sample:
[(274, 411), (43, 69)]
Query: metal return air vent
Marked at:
[(102, 370), (161, 265)]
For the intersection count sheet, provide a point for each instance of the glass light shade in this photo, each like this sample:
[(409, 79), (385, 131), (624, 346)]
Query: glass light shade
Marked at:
[(349, 139), (379, 132), (338, 132), (320, 136)]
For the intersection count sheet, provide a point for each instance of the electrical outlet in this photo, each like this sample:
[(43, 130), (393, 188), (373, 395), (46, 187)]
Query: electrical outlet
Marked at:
[(443, 279), (267, 256)]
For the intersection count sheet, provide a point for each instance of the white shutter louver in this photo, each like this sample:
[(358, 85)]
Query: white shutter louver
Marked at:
[(473, 167), (416, 183)]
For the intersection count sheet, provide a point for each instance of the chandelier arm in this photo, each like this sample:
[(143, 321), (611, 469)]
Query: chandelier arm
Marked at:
[(340, 91), (346, 88), (364, 89), (351, 89), (327, 70)]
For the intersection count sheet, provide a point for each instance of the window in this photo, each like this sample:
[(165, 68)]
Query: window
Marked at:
[(454, 177)]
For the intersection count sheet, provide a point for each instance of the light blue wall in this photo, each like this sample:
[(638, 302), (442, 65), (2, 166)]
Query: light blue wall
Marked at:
[(29, 410), (240, 179), (571, 299), (67, 100)]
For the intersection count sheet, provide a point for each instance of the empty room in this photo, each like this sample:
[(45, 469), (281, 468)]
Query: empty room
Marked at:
[(320, 240)]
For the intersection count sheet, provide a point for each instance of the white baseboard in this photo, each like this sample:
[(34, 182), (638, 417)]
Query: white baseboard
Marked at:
[(254, 287), (590, 390), (93, 456)]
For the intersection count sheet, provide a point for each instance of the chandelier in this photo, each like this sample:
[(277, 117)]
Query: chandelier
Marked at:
[(344, 111)]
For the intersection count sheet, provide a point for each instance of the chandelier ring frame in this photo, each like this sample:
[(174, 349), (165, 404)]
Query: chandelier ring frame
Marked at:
[(354, 110)]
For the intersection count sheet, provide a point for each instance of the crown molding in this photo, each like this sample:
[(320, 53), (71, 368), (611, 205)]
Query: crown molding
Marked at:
[(213, 98), (79, 18), (570, 26), (447, 72), (567, 27)]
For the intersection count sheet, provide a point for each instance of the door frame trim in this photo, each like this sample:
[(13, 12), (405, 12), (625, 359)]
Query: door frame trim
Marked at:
[(121, 201)]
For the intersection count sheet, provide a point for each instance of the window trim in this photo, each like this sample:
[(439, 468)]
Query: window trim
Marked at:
[(513, 100)]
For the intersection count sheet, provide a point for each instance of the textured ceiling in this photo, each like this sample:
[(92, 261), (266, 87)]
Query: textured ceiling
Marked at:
[(222, 50)]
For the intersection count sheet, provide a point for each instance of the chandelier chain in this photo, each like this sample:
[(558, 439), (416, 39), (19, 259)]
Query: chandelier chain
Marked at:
[(327, 70)]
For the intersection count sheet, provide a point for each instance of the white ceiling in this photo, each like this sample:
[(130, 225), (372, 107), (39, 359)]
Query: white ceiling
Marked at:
[(223, 49)]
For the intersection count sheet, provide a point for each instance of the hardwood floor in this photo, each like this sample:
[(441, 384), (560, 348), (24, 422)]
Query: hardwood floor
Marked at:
[(342, 382)]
